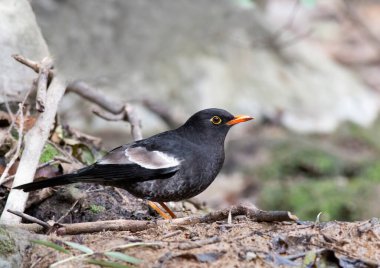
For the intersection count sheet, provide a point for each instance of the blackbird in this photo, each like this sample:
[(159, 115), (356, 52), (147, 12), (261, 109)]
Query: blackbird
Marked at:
[(170, 166)]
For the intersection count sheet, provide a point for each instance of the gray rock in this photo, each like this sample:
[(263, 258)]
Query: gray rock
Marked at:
[(19, 34), (191, 56)]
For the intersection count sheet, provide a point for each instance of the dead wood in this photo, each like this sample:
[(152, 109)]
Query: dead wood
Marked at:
[(99, 226), (199, 243), (35, 140), (163, 112), (137, 225), (29, 218), (95, 96), (119, 110), (43, 83)]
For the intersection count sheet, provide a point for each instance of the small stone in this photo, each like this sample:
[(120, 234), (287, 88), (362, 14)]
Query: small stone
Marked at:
[(250, 256)]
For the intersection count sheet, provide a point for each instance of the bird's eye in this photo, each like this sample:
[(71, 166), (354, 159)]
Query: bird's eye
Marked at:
[(216, 120)]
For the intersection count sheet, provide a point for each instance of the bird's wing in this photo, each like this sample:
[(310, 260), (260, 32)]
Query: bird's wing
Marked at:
[(131, 163), (139, 155)]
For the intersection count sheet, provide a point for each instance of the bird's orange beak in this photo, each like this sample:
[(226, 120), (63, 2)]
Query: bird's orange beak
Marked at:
[(239, 119)]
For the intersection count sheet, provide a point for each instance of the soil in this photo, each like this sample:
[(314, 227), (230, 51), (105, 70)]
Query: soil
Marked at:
[(243, 243)]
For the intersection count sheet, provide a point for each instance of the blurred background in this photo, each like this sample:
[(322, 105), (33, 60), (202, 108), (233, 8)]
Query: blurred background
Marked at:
[(307, 70)]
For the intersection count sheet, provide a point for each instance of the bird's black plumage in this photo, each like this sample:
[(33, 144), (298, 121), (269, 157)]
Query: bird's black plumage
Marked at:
[(170, 166)]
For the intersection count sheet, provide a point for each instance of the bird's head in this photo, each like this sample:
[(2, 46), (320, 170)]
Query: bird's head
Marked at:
[(212, 123)]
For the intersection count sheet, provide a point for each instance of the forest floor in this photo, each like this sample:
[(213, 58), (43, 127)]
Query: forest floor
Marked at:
[(243, 243)]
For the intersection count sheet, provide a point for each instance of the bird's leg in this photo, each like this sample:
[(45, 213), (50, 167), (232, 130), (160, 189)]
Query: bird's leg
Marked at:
[(168, 210), (159, 211)]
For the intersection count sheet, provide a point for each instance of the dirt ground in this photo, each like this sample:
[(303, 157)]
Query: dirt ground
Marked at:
[(243, 243)]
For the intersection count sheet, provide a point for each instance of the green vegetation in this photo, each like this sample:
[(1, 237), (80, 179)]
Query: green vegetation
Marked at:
[(310, 162), (338, 174), (96, 209), (108, 256), (48, 153), (338, 199), (7, 244)]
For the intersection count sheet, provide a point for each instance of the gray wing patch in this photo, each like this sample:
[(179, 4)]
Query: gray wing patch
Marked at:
[(116, 156), (140, 156), (151, 159)]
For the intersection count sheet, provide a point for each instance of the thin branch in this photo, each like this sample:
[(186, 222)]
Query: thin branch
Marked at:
[(108, 116), (19, 142), (30, 218), (121, 110), (42, 83), (163, 112), (89, 93), (138, 225), (35, 66), (355, 18), (68, 211), (35, 140), (132, 118), (199, 243)]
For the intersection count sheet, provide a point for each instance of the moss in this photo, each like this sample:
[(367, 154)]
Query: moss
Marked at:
[(3, 232), (7, 244), (306, 162), (371, 171), (337, 198), (48, 153), (96, 209)]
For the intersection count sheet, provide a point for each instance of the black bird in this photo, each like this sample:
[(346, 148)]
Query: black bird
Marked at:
[(170, 166)]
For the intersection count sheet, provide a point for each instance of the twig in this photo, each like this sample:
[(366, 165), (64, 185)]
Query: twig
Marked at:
[(86, 91), (171, 234), (137, 225), (108, 116), (19, 144), (131, 116), (34, 142), (354, 17), (69, 158), (199, 243), (120, 110), (35, 66), (163, 112), (30, 218), (42, 83), (241, 209), (99, 226), (68, 211)]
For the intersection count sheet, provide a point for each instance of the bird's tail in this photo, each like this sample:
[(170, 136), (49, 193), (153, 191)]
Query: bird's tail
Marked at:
[(56, 181)]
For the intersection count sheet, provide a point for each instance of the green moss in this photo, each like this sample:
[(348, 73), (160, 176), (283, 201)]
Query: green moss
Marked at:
[(306, 162), (338, 199), (371, 172), (48, 153), (96, 209), (7, 244), (3, 232)]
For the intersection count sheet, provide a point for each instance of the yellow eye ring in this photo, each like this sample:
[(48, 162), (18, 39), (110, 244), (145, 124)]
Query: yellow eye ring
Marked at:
[(216, 120)]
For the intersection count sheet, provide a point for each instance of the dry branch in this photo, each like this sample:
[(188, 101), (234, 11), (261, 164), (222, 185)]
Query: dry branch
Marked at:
[(3, 177), (138, 225), (118, 109), (42, 83), (199, 243), (89, 93), (35, 66), (99, 226), (30, 218), (34, 142), (163, 112)]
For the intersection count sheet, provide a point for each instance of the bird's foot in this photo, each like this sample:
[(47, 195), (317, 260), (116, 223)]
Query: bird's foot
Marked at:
[(164, 215)]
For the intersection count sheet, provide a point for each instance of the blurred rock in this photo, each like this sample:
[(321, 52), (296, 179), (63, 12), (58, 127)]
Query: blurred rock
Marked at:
[(192, 56), (19, 34)]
